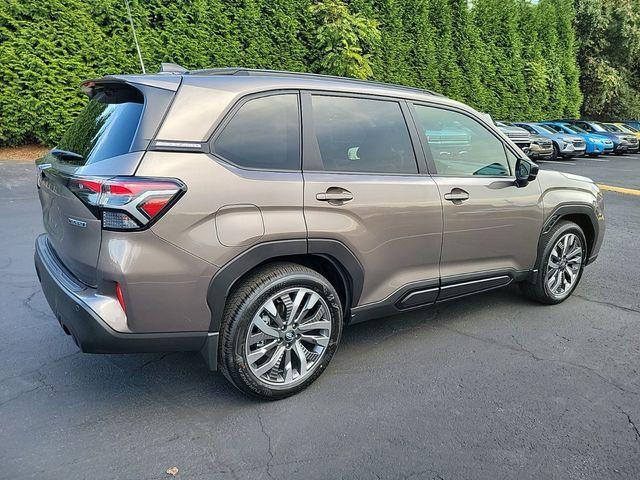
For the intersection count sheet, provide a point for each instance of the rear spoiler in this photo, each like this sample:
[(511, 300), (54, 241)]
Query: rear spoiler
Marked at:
[(165, 82)]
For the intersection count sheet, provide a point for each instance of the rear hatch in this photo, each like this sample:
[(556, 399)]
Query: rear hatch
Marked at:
[(107, 139)]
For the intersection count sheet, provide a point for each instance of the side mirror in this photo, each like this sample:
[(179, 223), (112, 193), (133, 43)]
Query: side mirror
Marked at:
[(526, 171)]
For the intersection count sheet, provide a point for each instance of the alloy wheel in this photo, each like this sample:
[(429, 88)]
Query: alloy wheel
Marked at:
[(288, 336), (563, 266)]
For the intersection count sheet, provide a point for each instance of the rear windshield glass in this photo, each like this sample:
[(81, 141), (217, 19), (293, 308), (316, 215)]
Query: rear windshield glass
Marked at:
[(101, 131)]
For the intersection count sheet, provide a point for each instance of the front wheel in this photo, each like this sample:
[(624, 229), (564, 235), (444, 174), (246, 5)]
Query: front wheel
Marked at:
[(280, 329), (560, 265)]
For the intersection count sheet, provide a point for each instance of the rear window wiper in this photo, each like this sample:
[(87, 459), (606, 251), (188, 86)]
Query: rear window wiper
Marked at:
[(67, 155)]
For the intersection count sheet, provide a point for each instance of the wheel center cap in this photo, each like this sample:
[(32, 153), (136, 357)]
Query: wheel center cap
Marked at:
[(289, 336)]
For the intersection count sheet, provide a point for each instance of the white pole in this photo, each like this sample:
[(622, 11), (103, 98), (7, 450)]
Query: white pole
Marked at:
[(135, 38)]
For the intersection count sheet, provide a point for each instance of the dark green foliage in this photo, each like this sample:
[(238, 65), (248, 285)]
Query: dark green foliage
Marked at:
[(498, 23), (510, 58), (419, 36), (343, 40), (448, 68), (609, 57), (471, 55)]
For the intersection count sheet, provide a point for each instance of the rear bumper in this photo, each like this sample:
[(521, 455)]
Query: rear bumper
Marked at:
[(69, 299)]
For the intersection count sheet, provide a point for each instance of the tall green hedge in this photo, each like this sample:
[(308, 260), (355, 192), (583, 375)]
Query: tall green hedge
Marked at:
[(511, 58), (609, 57)]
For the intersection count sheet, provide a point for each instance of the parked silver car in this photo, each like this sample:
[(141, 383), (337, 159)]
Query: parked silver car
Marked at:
[(519, 136)]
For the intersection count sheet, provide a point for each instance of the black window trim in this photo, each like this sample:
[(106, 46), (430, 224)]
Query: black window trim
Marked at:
[(490, 128), (311, 158), (231, 113)]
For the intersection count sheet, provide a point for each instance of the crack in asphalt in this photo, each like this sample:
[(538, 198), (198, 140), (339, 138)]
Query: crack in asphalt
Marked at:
[(42, 384), (633, 425), (421, 473), (38, 370), (27, 303), (157, 360), (607, 304), (521, 349), (24, 392), (270, 449)]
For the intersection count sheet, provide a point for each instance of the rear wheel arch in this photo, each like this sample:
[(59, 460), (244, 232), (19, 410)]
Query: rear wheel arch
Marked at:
[(330, 258)]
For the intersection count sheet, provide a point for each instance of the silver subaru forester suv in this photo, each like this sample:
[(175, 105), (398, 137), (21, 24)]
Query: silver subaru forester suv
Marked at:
[(251, 215)]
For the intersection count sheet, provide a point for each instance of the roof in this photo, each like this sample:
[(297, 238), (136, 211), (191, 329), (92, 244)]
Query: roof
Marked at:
[(203, 96), (254, 72)]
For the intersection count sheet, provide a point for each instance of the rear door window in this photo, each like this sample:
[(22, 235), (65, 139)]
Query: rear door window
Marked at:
[(264, 133), (459, 145), (362, 135)]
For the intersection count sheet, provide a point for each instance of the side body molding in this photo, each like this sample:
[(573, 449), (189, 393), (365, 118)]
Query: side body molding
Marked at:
[(339, 254)]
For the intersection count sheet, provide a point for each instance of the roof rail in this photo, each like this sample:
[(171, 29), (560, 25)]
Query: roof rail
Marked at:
[(254, 72)]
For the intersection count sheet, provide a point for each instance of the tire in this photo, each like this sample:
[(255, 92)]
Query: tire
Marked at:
[(264, 302), (556, 152), (544, 290)]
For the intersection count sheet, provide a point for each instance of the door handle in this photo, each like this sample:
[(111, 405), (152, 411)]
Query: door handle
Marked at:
[(334, 194), (457, 195)]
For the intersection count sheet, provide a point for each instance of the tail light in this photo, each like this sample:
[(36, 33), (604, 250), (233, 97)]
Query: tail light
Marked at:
[(127, 203)]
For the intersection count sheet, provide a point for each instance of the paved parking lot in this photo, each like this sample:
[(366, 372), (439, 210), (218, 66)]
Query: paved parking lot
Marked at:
[(486, 387)]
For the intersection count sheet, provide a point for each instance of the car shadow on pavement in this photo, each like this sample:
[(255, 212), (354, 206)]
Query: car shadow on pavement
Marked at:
[(183, 377), (441, 314)]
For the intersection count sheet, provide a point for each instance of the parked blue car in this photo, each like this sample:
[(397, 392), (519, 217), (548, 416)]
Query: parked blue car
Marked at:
[(596, 144), (564, 145), (621, 142)]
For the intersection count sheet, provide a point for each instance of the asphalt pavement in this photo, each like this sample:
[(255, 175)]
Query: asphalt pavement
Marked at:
[(486, 387)]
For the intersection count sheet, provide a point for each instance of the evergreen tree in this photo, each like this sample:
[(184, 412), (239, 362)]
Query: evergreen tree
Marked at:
[(419, 37), (390, 62), (535, 62), (497, 21), (556, 81), (470, 54), (40, 68), (514, 59), (609, 57), (449, 72), (568, 57)]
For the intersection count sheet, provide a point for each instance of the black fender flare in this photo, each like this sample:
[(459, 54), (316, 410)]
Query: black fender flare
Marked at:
[(557, 214), (337, 252)]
